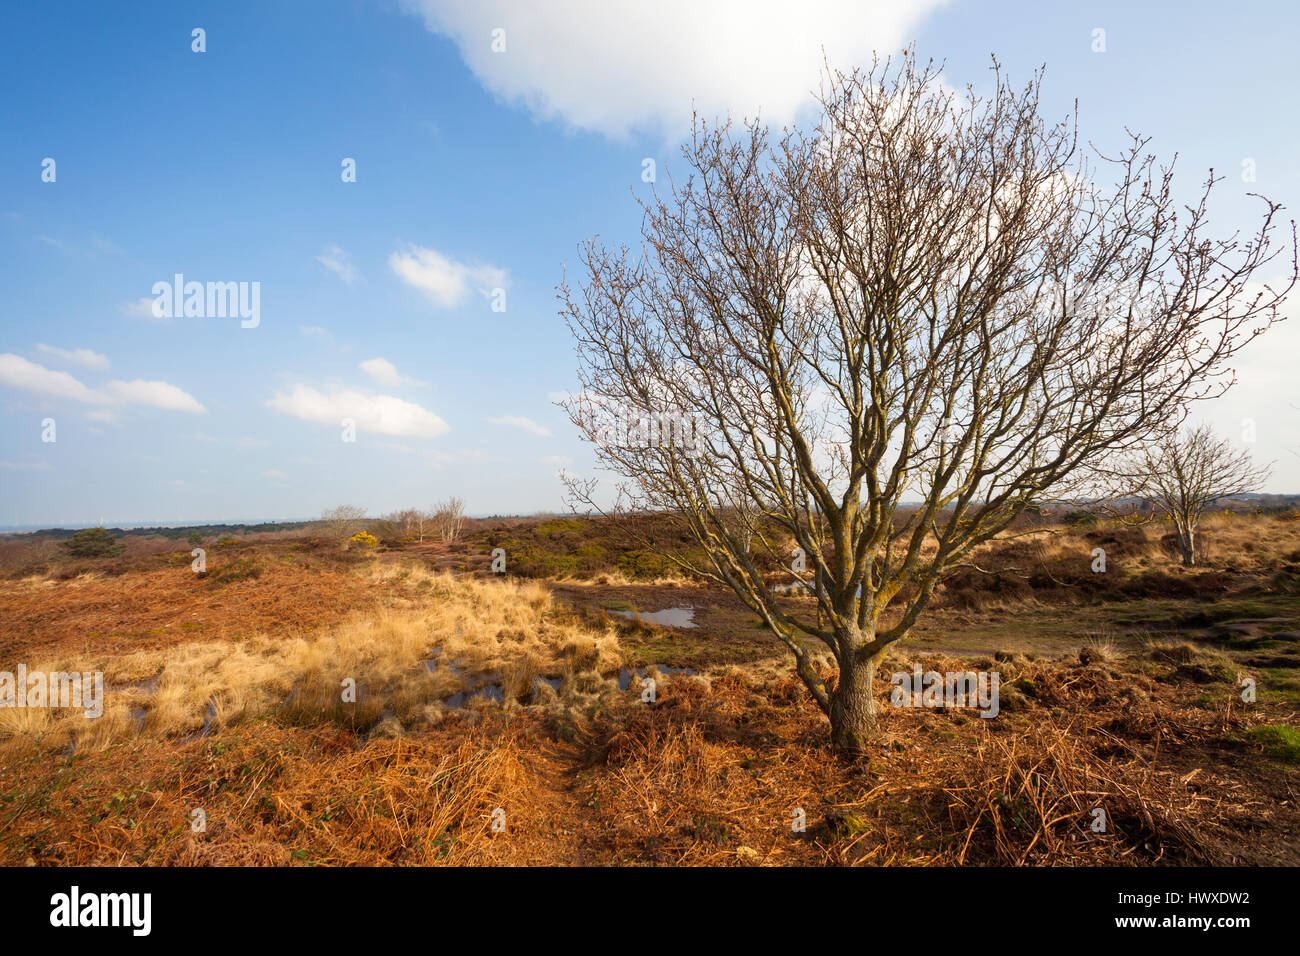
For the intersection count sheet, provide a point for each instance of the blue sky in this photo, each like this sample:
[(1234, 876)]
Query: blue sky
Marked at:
[(475, 170)]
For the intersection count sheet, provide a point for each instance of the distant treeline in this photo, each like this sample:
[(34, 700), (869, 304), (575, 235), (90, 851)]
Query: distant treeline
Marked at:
[(181, 532)]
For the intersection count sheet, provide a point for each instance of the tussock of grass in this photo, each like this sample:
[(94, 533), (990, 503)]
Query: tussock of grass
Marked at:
[(1099, 649), (479, 629)]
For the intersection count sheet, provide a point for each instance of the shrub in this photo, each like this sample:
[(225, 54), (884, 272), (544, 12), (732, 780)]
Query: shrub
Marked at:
[(93, 543), (642, 563), (1079, 519), (365, 539)]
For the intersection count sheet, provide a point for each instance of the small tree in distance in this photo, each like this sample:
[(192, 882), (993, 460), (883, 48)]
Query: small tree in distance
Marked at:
[(449, 518), (410, 522), (343, 520), (1184, 474)]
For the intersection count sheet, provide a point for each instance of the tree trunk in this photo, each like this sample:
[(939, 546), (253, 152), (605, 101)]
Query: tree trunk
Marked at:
[(853, 707), (1187, 541)]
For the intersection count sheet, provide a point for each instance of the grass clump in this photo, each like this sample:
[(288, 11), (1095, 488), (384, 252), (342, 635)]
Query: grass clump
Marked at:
[(1279, 742)]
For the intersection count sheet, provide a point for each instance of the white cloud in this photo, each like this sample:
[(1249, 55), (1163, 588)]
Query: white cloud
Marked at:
[(384, 372), (519, 421), (153, 394), (18, 372), (337, 261), (142, 309), (615, 67), (274, 474), (77, 356), (555, 460), (381, 371), (445, 281), (384, 414)]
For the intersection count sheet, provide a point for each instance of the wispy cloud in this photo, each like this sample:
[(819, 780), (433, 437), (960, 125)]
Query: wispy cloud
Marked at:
[(337, 261), (443, 280), (95, 247), (142, 308), (239, 441), (84, 357), (153, 394), (519, 421)]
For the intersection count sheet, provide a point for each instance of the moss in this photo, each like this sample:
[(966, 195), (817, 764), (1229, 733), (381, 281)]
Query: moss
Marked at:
[(846, 824), (1279, 741)]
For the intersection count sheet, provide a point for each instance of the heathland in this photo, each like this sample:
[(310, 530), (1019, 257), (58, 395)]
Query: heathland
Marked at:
[(508, 718)]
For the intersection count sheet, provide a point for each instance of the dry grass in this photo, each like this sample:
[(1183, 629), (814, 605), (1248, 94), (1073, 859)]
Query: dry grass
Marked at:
[(284, 796), (249, 726), (712, 774), (464, 632)]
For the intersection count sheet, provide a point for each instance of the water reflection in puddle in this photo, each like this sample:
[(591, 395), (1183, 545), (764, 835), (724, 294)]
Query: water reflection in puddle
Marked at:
[(683, 616)]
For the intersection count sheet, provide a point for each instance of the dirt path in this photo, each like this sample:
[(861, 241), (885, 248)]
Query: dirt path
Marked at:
[(568, 824)]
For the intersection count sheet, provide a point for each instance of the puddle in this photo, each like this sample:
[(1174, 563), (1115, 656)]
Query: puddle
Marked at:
[(462, 697), (683, 616), (209, 716), (149, 685), (476, 685)]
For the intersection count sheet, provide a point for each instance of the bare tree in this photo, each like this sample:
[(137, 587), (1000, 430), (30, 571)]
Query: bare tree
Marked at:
[(1184, 475), (926, 297), (410, 522), (344, 520), (449, 518)]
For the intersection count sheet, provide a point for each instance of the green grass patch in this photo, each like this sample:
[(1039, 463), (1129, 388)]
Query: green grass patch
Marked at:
[(1279, 742)]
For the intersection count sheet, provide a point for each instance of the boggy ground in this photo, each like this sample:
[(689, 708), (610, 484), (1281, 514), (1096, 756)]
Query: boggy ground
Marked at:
[(1118, 692)]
